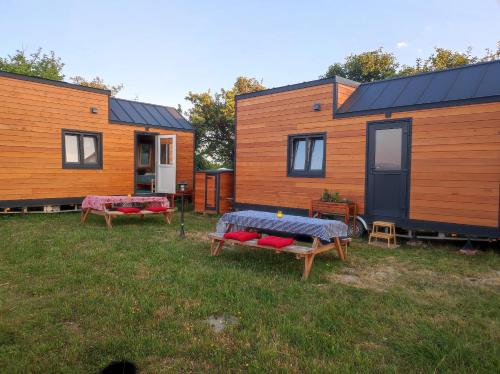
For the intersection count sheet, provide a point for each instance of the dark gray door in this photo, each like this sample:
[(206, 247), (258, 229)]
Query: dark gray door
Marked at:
[(211, 191), (387, 171)]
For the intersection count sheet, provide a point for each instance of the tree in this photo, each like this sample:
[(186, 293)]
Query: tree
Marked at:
[(440, 59), (212, 116), (365, 67), (37, 64), (491, 54), (97, 82), (376, 65)]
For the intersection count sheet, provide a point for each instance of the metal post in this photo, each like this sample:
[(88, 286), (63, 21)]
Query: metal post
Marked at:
[(182, 234), (182, 187)]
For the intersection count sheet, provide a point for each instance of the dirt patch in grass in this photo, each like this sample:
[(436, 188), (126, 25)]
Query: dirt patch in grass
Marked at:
[(378, 277), (142, 271), (219, 323), (164, 311), (487, 279), (72, 327), (200, 236), (381, 277)]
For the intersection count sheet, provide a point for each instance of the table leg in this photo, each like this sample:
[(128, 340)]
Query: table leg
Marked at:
[(340, 251), (107, 217), (212, 247), (216, 247), (85, 213), (168, 217), (308, 262)]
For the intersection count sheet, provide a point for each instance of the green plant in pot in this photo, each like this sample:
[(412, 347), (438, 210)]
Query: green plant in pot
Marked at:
[(334, 197), (325, 196)]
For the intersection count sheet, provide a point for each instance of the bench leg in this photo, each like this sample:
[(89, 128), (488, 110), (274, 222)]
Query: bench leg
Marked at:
[(85, 214), (308, 262)]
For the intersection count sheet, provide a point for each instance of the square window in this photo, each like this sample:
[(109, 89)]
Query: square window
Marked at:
[(81, 150), (306, 155)]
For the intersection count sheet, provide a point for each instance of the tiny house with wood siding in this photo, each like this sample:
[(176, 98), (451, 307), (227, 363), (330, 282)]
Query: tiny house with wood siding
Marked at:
[(422, 151), (60, 142)]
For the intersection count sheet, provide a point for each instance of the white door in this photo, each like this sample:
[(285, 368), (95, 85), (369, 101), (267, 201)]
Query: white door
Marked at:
[(165, 163)]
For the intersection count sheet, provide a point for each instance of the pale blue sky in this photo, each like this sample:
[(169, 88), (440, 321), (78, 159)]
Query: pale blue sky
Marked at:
[(160, 50)]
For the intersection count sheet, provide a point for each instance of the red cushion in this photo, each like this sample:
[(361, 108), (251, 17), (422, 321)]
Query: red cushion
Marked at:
[(275, 241), (129, 210), (156, 209), (242, 236)]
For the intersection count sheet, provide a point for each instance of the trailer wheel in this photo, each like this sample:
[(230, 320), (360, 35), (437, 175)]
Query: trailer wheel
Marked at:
[(357, 231)]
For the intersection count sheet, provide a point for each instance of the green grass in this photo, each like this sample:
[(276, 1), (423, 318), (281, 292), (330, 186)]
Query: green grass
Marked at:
[(74, 297)]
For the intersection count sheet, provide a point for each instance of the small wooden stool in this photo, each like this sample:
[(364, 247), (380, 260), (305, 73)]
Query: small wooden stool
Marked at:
[(378, 234)]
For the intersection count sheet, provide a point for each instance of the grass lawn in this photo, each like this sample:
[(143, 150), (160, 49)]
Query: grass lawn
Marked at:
[(75, 297)]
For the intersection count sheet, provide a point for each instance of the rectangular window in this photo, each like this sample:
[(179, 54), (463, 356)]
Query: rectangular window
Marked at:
[(388, 143), (166, 151), (81, 150), (306, 155), (145, 155)]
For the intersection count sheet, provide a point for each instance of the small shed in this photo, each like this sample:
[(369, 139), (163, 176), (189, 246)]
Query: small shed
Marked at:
[(214, 191)]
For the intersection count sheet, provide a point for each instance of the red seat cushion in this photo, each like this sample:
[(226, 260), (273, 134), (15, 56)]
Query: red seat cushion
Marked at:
[(156, 209), (128, 210), (275, 241), (242, 236)]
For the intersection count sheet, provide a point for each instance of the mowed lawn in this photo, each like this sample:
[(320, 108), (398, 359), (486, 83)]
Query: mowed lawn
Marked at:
[(75, 297)]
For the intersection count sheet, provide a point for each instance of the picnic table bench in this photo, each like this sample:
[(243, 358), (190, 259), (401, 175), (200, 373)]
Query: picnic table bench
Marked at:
[(105, 206), (327, 235)]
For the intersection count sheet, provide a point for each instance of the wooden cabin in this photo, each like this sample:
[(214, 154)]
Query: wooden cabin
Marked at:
[(60, 142), (214, 191), (422, 151)]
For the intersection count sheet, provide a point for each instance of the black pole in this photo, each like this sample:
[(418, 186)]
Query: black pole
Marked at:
[(182, 234)]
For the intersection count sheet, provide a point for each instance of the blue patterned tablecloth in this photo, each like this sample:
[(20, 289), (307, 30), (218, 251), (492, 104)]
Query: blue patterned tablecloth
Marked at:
[(296, 225)]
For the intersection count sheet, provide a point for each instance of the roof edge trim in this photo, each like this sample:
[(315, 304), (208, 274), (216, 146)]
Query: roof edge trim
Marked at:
[(135, 124), (53, 82), (410, 108), (297, 86)]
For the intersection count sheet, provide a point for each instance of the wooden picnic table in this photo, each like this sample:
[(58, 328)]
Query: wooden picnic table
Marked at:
[(326, 235), (104, 206)]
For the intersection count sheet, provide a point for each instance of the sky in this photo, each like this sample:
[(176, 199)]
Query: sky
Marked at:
[(161, 50)]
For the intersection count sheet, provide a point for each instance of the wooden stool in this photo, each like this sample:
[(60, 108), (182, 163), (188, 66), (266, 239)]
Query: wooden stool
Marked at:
[(378, 234)]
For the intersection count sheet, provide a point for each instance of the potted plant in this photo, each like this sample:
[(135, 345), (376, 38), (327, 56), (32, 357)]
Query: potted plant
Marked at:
[(325, 196)]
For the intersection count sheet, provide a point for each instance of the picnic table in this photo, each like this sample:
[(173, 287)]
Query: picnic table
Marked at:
[(105, 205), (326, 235)]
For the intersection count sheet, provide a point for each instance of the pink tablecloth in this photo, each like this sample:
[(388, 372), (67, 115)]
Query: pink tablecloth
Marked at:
[(98, 202)]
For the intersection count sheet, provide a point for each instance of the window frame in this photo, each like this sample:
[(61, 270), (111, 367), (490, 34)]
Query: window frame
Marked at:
[(307, 172), (80, 164)]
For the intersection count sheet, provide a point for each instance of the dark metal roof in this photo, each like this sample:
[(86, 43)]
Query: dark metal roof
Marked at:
[(291, 87), (458, 86), (144, 114)]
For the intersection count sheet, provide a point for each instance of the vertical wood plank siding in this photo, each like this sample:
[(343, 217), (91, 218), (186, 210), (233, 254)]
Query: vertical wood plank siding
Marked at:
[(32, 116), (455, 161), (226, 187)]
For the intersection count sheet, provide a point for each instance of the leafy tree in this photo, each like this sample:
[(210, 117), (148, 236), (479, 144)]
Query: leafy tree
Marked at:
[(37, 64), (97, 82), (376, 65), (492, 54), (440, 59), (212, 116), (365, 67)]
